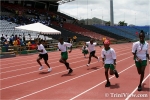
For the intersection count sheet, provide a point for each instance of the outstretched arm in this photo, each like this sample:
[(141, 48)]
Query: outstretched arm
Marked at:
[(70, 49)]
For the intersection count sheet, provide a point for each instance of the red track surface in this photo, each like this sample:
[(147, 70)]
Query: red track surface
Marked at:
[(21, 79)]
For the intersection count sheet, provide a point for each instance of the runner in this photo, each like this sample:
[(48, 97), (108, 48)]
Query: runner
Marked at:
[(62, 46), (109, 61), (42, 54), (140, 52)]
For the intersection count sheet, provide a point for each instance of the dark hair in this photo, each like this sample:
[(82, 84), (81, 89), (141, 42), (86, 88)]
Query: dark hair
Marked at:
[(92, 40), (61, 38), (39, 41), (142, 33)]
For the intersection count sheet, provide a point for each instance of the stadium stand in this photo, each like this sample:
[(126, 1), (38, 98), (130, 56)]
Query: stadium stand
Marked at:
[(102, 32), (65, 33), (13, 15), (116, 31)]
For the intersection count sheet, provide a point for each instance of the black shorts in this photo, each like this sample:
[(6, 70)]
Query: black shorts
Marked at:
[(44, 56), (92, 53)]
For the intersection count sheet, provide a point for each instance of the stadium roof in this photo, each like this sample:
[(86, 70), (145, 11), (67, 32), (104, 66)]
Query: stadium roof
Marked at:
[(56, 1), (63, 1)]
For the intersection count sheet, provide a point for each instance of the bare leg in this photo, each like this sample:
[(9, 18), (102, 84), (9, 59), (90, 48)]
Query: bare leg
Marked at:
[(38, 60), (89, 59), (47, 63)]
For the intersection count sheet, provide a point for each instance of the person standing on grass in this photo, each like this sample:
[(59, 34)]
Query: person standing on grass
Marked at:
[(109, 61), (62, 46), (91, 48), (140, 52), (42, 54)]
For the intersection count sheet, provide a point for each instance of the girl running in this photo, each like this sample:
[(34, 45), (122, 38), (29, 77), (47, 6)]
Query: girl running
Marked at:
[(109, 61), (85, 50), (91, 48), (140, 52), (62, 46)]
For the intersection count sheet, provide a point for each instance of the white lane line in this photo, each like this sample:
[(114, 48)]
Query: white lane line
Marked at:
[(51, 75), (22, 60), (38, 65), (99, 84), (130, 95), (68, 81), (50, 63)]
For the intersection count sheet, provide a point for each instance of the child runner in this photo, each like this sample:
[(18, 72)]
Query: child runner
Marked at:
[(140, 52), (42, 54), (85, 50), (91, 48), (62, 46), (109, 61)]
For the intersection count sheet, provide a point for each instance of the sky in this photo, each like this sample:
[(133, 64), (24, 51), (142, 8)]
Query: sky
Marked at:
[(135, 12)]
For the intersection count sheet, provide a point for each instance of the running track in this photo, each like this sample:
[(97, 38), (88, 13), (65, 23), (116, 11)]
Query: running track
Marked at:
[(21, 79)]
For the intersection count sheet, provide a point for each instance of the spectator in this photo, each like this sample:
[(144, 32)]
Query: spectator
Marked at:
[(29, 44), (15, 42), (11, 40), (2, 38), (6, 44), (74, 39)]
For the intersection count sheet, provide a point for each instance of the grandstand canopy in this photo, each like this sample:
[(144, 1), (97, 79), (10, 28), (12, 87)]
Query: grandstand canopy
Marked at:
[(56, 1), (63, 1), (38, 27)]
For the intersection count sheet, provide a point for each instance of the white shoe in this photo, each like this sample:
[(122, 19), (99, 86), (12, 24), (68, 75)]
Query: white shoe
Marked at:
[(41, 68), (88, 65), (98, 59), (49, 69)]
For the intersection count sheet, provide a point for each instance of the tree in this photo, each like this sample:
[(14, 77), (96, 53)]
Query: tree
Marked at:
[(122, 23), (82, 21), (107, 23)]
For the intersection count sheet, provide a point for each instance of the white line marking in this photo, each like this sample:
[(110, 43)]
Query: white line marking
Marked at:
[(50, 63), (50, 75), (99, 84), (66, 82), (51, 56), (136, 88), (38, 65)]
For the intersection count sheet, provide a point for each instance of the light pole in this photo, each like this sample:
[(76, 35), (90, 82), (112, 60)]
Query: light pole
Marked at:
[(77, 10), (102, 16), (87, 12), (135, 19), (91, 17), (111, 13)]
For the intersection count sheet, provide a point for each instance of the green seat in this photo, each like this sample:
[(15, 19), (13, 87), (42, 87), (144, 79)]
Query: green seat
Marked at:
[(24, 52), (3, 49)]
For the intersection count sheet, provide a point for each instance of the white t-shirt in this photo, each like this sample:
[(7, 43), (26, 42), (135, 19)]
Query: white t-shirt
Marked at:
[(84, 48), (142, 49), (63, 47), (108, 55), (91, 47), (41, 47)]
